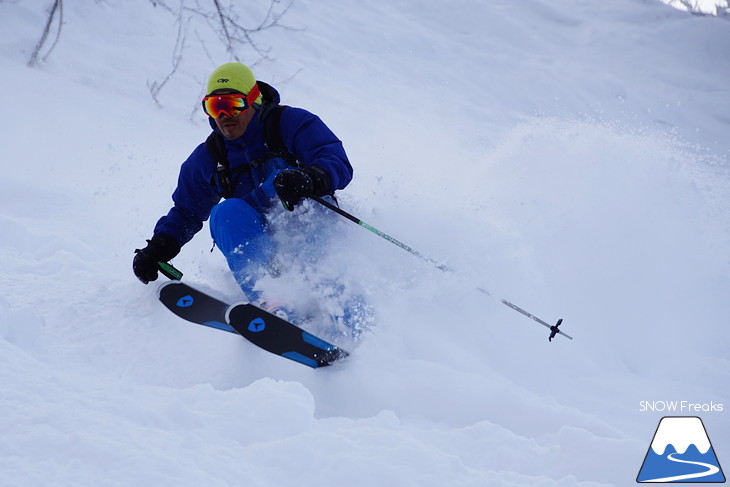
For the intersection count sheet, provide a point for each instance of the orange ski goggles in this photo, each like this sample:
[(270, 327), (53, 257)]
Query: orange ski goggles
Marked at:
[(230, 104)]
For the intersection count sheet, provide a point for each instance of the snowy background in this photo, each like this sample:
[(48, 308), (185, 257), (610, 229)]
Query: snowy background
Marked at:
[(570, 157)]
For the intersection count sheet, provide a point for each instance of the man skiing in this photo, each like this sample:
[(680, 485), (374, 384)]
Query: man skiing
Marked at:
[(239, 165)]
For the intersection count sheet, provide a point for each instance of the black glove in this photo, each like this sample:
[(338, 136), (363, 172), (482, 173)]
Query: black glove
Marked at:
[(292, 185), (161, 248)]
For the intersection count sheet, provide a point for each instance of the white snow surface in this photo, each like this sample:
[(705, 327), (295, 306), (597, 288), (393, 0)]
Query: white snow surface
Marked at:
[(571, 157)]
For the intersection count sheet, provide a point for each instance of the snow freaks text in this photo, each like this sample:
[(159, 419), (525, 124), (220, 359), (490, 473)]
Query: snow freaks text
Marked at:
[(680, 407)]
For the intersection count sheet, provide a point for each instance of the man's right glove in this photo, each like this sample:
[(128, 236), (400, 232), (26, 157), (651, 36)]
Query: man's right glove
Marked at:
[(294, 184), (160, 248)]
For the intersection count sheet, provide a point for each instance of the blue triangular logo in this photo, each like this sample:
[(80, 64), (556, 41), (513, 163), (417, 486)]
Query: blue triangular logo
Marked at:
[(185, 302), (681, 452), (257, 325)]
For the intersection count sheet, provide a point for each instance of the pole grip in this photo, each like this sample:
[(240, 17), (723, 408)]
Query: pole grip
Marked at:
[(169, 271)]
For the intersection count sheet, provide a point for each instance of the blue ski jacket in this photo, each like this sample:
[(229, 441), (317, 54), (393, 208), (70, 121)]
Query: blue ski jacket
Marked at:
[(253, 169)]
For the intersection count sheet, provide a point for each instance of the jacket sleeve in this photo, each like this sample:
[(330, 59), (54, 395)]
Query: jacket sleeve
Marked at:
[(194, 198), (306, 135)]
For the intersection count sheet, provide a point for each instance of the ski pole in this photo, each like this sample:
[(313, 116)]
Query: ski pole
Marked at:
[(554, 329), (169, 271)]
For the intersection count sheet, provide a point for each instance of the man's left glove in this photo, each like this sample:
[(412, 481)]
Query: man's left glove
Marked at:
[(160, 248), (292, 185)]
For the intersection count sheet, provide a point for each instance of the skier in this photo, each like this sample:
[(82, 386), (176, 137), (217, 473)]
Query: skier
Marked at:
[(254, 177)]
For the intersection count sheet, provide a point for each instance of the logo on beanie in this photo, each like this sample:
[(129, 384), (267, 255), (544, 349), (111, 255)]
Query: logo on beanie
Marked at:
[(223, 80)]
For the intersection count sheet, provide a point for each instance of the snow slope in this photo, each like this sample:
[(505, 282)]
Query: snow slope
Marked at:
[(571, 158)]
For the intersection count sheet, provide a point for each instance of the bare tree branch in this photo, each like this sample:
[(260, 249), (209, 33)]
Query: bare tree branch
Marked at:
[(221, 17), (227, 37), (177, 56), (56, 11), (233, 34), (224, 21)]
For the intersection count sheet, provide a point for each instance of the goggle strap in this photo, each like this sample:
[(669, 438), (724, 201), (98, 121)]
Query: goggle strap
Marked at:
[(252, 95)]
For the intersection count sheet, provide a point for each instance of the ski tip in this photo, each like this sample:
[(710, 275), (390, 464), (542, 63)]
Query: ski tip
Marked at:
[(232, 306), (164, 285)]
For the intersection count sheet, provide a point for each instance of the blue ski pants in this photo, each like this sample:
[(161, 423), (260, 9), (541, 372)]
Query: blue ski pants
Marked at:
[(238, 230)]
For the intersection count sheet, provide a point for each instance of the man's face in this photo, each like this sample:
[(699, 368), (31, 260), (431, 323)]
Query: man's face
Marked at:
[(234, 127)]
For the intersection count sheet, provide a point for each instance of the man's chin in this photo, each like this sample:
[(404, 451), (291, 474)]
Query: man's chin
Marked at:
[(229, 134)]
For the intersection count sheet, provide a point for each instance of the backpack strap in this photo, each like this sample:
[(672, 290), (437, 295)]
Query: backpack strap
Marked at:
[(217, 149), (277, 148), (272, 135)]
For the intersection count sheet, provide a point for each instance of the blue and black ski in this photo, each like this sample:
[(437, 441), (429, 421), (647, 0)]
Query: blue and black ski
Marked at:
[(193, 305), (261, 328), (280, 337)]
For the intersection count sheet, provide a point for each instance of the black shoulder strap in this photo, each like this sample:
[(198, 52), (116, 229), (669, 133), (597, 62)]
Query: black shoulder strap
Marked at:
[(217, 149), (272, 135)]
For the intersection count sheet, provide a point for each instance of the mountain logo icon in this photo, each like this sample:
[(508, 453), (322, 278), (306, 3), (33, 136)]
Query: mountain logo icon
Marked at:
[(257, 325), (185, 302), (681, 452)]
